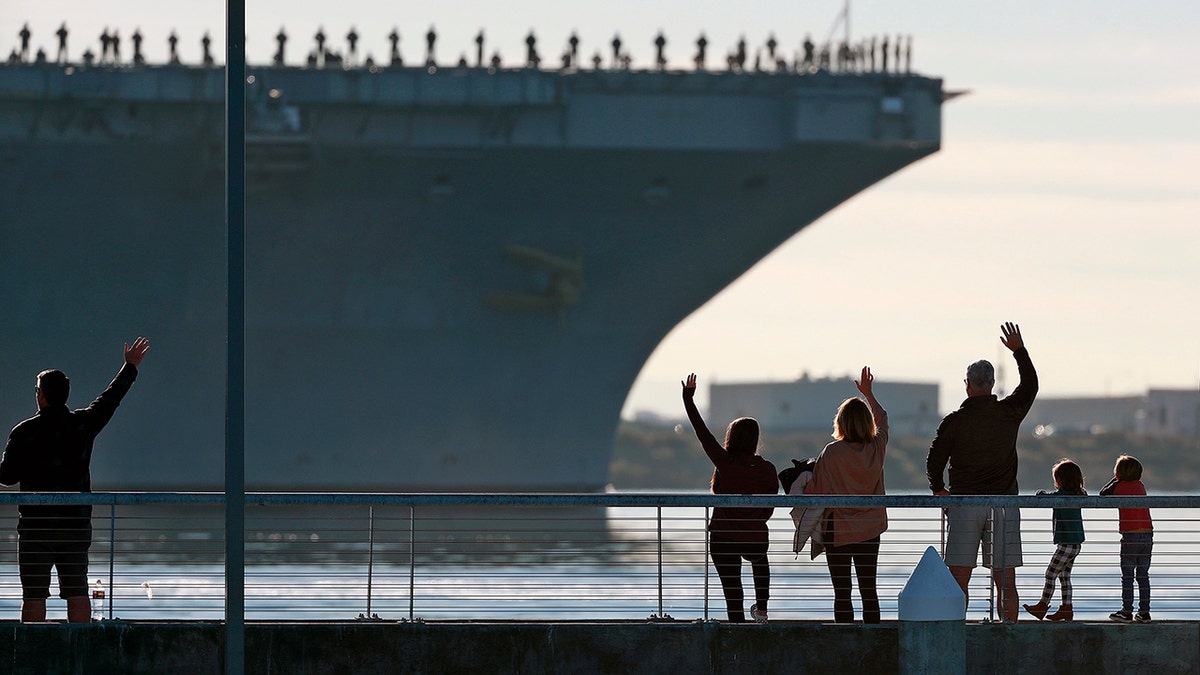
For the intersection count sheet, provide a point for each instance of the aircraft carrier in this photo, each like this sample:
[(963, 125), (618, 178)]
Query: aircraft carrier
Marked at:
[(454, 274)]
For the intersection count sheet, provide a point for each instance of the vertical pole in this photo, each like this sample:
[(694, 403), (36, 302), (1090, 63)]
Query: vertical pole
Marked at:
[(943, 534), (112, 552), (660, 563), (704, 566), (412, 558), (370, 554), (997, 552), (235, 344)]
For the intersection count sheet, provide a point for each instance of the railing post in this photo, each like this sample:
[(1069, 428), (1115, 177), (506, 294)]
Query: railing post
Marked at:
[(412, 558), (704, 563), (370, 554), (997, 552), (942, 550), (660, 562), (112, 549)]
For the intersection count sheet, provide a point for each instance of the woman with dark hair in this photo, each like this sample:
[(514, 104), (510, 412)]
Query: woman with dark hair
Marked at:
[(853, 465), (737, 533)]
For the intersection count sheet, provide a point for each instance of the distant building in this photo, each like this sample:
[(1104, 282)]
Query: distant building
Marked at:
[(810, 404), (1086, 414), (1172, 412), (1160, 412)]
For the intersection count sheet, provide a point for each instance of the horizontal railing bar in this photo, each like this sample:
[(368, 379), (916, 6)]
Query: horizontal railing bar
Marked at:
[(113, 498), (599, 500)]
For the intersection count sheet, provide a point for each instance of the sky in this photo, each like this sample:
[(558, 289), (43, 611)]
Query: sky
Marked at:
[(1066, 195)]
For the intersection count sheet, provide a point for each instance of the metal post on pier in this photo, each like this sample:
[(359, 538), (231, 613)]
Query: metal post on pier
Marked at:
[(705, 565), (660, 563), (235, 340), (932, 611), (412, 560), (370, 555), (112, 555), (1000, 543)]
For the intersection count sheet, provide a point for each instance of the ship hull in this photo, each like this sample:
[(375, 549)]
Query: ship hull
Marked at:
[(409, 323)]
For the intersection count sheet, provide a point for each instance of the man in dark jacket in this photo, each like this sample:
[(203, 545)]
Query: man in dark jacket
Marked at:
[(52, 452), (979, 441)]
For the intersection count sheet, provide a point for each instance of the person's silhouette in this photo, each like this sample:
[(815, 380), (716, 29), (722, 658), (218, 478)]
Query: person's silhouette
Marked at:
[(280, 40), (138, 58), (105, 44), (173, 47), (394, 39), (62, 43), (531, 55), (25, 35), (52, 452), (206, 48)]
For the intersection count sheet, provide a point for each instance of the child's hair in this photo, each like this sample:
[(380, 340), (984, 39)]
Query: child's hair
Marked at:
[(854, 422), (1068, 476), (1128, 468)]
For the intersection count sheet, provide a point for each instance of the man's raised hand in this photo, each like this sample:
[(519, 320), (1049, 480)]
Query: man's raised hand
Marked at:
[(135, 354), (1011, 336)]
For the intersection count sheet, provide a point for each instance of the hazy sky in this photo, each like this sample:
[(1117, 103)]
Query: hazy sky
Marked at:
[(1066, 196)]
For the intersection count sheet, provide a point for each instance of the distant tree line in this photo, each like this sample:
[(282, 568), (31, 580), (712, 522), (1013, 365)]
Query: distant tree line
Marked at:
[(650, 456)]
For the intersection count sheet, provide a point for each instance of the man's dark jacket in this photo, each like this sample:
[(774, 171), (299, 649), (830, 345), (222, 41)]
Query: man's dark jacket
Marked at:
[(52, 452), (979, 440)]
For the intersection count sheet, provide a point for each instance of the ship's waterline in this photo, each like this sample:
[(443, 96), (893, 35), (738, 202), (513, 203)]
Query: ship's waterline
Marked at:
[(453, 279)]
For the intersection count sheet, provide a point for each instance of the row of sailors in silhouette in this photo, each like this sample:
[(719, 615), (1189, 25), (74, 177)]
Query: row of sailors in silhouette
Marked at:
[(110, 48), (867, 55)]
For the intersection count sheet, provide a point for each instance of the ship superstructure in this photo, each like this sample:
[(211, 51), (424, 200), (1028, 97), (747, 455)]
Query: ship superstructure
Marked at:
[(454, 275)]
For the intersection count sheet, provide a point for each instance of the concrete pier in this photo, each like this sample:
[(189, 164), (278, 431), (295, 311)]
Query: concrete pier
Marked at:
[(311, 648)]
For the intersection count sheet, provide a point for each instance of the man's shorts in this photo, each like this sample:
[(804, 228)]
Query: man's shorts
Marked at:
[(39, 550), (970, 526)]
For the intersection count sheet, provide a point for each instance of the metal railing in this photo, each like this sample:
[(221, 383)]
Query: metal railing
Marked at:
[(549, 556)]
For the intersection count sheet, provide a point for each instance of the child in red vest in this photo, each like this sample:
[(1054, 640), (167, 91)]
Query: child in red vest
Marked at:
[(1137, 540)]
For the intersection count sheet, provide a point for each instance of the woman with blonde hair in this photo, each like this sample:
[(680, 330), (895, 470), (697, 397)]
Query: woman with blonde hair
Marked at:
[(853, 465)]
